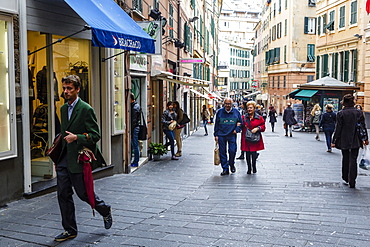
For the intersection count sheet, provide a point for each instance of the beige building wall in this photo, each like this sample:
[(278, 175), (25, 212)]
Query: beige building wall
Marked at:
[(346, 38)]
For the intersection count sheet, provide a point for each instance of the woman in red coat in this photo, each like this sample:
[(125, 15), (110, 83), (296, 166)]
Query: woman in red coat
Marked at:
[(255, 123)]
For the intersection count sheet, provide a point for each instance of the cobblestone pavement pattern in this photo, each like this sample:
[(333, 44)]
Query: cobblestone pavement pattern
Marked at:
[(296, 199)]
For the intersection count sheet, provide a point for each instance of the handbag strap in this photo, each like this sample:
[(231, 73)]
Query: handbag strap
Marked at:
[(142, 114)]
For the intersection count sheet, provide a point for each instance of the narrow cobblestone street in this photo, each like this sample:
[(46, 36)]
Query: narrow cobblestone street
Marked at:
[(295, 199)]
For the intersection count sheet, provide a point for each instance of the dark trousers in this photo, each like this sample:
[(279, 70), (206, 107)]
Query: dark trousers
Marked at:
[(65, 181), (349, 165), (223, 141), (251, 160), (328, 137), (205, 122), (272, 126)]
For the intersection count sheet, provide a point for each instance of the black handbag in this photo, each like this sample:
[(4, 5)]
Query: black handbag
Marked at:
[(361, 131), (185, 119), (252, 137), (143, 131)]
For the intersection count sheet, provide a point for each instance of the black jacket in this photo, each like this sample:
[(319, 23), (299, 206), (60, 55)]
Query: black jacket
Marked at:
[(167, 116), (135, 114), (345, 134), (328, 120), (288, 116)]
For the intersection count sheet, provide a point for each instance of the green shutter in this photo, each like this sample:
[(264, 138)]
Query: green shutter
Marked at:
[(319, 25), (325, 65), (317, 67), (346, 64), (306, 25), (332, 65), (336, 55), (354, 65)]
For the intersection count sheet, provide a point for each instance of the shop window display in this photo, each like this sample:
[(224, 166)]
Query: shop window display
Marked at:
[(69, 57), (6, 128)]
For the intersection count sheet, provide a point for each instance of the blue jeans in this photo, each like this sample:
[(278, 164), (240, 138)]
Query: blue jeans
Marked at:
[(328, 136), (222, 142), (171, 137), (205, 125), (135, 144)]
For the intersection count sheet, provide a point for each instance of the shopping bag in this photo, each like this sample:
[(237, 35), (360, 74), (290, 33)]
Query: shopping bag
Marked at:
[(216, 155), (365, 159)]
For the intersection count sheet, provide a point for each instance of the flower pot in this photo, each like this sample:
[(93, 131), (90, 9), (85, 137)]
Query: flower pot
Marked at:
[(156, 157)]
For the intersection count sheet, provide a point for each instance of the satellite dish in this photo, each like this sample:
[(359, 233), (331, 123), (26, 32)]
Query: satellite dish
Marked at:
[(313, 1)]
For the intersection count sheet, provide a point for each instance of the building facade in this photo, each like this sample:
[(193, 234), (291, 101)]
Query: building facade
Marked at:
[(284, 48), (340, 45), (236, 24)]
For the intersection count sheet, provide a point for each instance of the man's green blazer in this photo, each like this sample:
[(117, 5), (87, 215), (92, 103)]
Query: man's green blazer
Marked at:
[(83, 120)]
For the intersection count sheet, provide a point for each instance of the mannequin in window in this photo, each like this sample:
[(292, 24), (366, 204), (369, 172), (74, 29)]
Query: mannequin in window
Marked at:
[(41, 84)]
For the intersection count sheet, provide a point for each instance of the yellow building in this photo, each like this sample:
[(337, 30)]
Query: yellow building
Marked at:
[(340, 45), (284, 48)]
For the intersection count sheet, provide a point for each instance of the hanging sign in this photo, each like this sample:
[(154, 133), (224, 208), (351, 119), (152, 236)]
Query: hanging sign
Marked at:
[(192, 60)]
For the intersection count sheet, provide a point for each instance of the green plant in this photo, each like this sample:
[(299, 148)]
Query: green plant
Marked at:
[(157, 148)]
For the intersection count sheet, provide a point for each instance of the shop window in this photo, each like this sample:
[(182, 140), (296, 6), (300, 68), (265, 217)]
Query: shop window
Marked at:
[(7, 93)]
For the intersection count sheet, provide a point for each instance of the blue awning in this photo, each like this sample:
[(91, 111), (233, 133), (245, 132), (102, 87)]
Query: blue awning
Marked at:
[(111, 26)]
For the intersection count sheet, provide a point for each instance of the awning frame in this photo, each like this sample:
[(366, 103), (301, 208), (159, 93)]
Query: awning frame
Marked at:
[(86, 27)]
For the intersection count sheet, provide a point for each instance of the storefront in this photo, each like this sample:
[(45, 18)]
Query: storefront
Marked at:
[(11, 50), (326, 90), (81, 45)]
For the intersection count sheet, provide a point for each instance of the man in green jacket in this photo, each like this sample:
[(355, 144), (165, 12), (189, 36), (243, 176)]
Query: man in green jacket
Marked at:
[(79, 129)]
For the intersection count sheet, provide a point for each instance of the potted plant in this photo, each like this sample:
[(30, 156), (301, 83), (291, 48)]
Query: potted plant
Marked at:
[(157, 149)]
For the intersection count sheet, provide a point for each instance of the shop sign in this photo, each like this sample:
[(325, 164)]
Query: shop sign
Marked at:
[(191, 60), (154, 29), (139, 62), (254, 83)]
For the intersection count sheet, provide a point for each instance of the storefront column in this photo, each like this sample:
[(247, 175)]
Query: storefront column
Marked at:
[(25, 95)]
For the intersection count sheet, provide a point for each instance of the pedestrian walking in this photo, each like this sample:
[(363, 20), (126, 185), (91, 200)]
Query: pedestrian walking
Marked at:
[(168, 117), (178, 129), (347, 139), (205, 117), (211, 113), (79, 129), (327, 123), (272, 117), (289, 119), (316, 116), (135, 122), (227, 124), (256, 124)]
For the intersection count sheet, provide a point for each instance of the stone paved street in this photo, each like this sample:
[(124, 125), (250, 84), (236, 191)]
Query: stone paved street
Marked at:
[(296, 199)]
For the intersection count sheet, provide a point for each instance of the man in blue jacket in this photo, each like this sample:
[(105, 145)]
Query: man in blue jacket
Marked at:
[(227, 124)]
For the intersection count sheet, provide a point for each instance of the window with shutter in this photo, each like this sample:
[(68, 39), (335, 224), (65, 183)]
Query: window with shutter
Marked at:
[(354, 65), (354, 12), (346, 65), (342, 16), (317, 67)]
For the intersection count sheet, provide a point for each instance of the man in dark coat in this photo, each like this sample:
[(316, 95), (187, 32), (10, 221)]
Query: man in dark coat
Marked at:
[(135, 122), (289, 119), (79, 129), (347, 139)]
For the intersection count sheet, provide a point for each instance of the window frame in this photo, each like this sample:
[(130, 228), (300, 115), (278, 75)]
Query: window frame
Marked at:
[(12, 152), (342, 18), (354, 13)]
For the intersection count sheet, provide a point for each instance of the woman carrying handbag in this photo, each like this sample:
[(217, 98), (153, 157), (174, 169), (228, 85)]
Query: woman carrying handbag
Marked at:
[(253, 125)]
